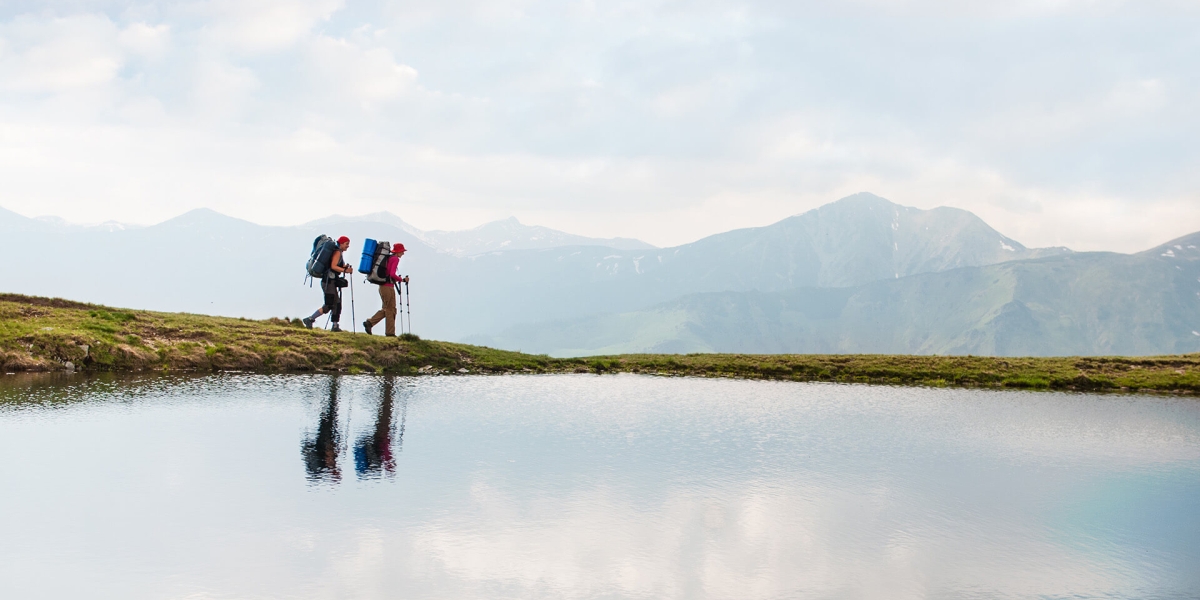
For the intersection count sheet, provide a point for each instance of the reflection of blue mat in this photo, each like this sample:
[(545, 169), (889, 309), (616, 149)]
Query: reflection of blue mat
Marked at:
[(360, 459)]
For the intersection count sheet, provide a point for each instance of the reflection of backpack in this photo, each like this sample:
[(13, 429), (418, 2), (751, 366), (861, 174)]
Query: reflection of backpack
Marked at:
[(379, 273), (322, 253)]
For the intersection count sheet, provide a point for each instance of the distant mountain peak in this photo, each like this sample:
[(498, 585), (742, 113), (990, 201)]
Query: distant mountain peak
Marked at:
[(1187, 247), (503, 234), (384, 217), (114, 226), (199, 213), (510, 234), (854, 202), (205, 217), (62, 223), (17, 221), (864, 197), (508, 224)]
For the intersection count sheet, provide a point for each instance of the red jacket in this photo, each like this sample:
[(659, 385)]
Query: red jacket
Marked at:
[(392, 263)]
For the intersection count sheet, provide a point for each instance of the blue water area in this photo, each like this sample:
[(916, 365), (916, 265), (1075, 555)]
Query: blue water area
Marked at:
[(582, 486)]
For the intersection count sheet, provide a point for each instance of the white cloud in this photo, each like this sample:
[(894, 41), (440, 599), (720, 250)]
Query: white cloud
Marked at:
[(985, 8), (793, 539), (221, 90), (691, 118), (368, 75), (145, 40), (58, 55), (263, 25)]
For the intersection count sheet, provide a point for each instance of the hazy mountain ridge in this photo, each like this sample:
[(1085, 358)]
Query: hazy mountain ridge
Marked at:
[(1079, 304), (704, 295), (507, 234), (202, 262), (823, 247), (386, 218), (207, 262), (855, 240), (511, 234)]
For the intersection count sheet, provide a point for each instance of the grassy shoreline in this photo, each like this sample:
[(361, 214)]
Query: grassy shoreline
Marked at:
[(51, 334)]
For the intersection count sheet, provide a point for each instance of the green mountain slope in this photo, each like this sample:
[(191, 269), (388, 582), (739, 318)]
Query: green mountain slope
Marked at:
[(1078, 304)]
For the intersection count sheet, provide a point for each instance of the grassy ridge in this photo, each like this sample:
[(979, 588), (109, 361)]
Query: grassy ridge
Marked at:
[(44, 334), (50, 334), (1158, 373)]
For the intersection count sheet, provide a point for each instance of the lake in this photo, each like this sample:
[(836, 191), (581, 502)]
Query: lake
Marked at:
[(583, 486)]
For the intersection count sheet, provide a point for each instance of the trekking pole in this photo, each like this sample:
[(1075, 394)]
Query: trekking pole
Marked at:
[(408, 305), (400, 297), (353, 319)]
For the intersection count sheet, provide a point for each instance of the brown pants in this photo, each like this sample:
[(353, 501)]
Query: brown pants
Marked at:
[(388, 295)]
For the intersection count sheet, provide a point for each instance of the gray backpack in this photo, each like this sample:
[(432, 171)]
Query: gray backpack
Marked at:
[(378, 273), (322, 253)]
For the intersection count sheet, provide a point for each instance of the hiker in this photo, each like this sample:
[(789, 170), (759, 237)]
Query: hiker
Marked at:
[(332, 283), (387, 294)]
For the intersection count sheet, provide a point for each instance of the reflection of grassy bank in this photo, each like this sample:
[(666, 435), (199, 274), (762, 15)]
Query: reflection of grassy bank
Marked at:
[(40, 334)]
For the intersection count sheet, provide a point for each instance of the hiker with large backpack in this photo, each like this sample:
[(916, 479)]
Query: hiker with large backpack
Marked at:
[(382, 272), (327, 265)]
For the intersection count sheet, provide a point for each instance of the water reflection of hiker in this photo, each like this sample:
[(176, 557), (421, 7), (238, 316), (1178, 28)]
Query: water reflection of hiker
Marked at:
[(321, 451), (387, 293), (331, 284), (373, 451)]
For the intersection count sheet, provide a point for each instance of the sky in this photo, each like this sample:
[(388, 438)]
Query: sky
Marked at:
[(1059, 122)]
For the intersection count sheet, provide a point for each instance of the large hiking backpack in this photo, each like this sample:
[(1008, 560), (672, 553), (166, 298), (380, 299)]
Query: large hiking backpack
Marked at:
[(379, 273), (322, 253)]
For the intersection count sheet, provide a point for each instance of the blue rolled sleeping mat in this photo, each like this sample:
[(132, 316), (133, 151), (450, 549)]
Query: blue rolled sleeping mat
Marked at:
[(368, 255)]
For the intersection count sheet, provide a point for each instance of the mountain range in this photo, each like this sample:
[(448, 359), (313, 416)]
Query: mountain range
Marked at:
[(507, 234), (858, 275), (1073, 304)]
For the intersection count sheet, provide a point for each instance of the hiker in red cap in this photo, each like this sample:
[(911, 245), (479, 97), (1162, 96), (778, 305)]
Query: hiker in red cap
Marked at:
[(387, 294), (332, 284)]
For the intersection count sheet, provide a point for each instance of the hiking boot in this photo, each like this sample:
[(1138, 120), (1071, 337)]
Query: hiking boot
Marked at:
[(307, 322), (335, 327), (367, 327)]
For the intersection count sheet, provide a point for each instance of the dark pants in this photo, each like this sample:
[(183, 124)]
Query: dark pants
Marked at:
[(333, 302)]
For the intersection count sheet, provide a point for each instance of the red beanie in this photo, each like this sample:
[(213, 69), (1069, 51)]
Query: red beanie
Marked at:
[(343, 240), (397, 248)]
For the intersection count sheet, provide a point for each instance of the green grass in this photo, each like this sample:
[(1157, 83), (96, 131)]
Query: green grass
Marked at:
[(44, 334)]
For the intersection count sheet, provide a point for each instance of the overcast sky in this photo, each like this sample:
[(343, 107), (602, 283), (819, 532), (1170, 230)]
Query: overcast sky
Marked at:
[(1060, 122)]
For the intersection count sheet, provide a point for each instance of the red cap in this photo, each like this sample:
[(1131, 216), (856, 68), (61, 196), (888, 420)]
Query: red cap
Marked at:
[(343, 240), (397, 248)]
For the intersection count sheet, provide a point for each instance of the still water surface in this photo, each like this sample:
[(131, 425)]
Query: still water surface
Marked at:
[(238, 486)]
